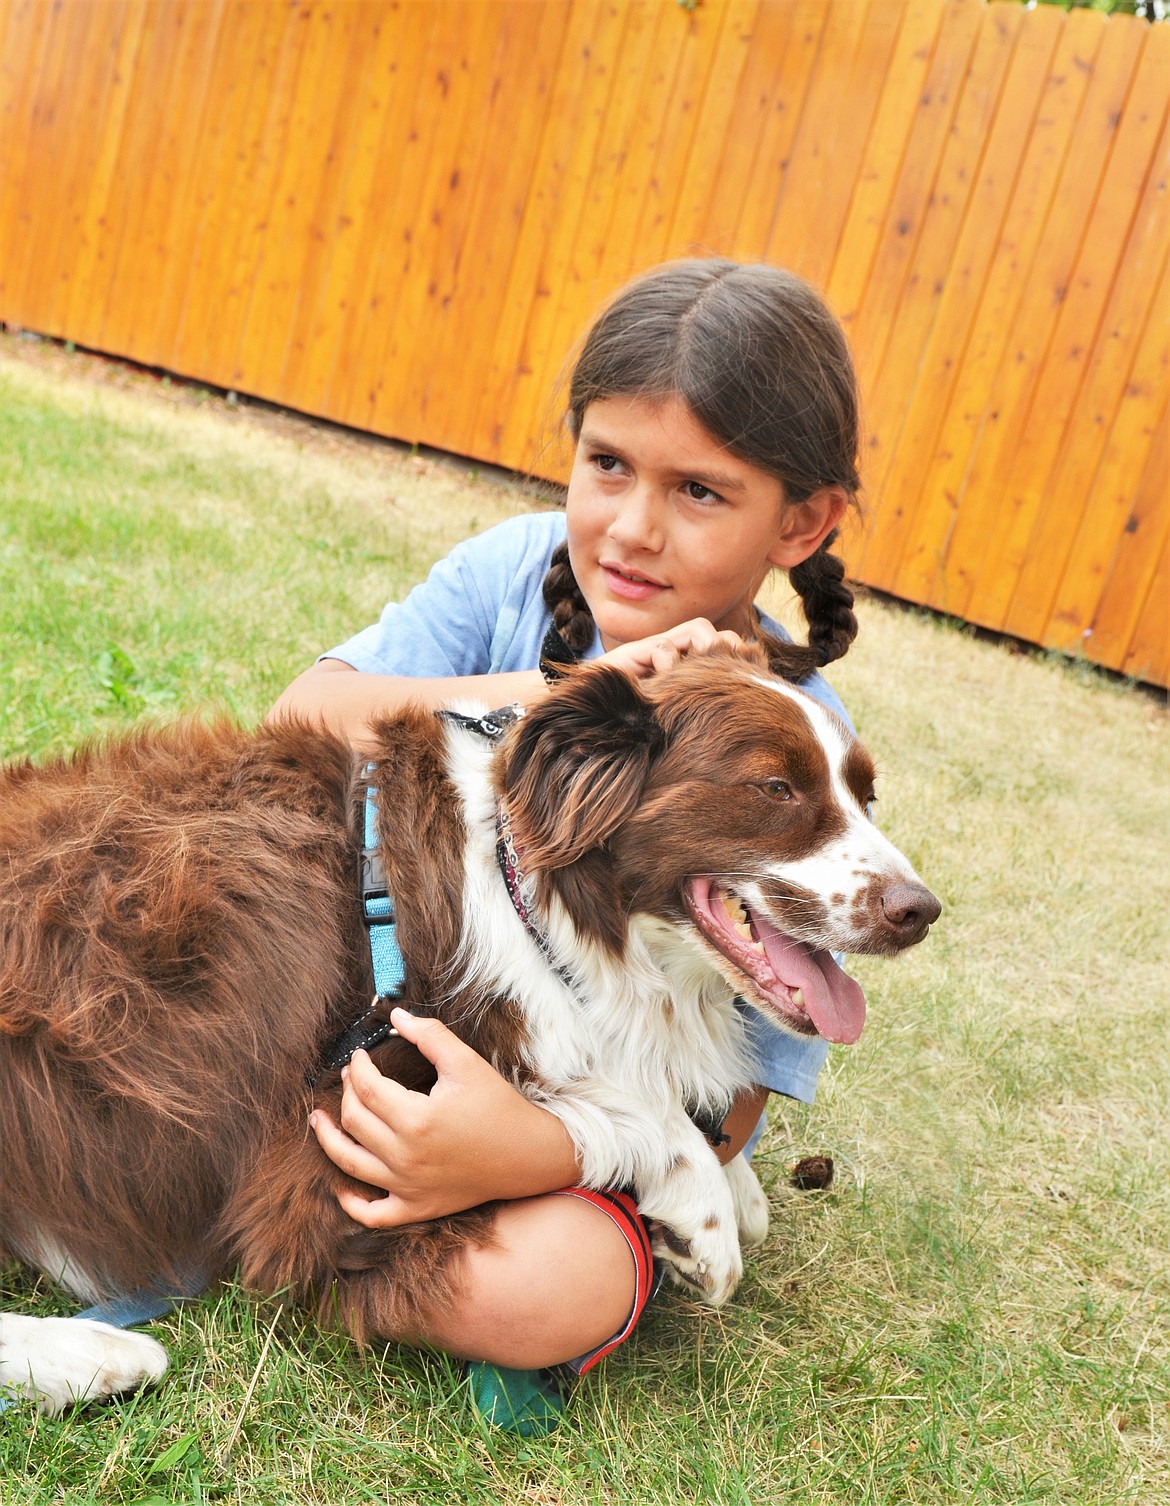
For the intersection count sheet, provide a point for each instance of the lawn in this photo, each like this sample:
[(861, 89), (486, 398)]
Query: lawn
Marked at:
[(977, 1309)]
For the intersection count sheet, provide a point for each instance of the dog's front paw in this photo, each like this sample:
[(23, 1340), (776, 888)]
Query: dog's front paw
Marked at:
[(751, 1205), (59, 1361), (707, 1263)]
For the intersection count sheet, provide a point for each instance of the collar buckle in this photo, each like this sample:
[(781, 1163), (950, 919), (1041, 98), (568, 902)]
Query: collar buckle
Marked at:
[(377, 906)]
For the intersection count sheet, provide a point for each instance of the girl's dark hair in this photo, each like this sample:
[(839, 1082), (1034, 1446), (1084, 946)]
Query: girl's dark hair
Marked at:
[(763, 365)]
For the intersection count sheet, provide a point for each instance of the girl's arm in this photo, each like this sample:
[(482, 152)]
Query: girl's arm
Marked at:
[(345, 701), (472, 1139), (334, 694)]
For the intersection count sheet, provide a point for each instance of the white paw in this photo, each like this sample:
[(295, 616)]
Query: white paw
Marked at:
[(60, 1361), (751, 1205), (707, 1262)]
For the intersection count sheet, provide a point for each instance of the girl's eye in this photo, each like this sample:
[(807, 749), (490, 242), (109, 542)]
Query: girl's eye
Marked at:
[(606, 463), (778, 789), (697, 492)]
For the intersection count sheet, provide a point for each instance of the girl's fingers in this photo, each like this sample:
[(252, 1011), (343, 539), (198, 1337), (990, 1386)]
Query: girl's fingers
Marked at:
[(374, 1213), (443, 1049), (346, 1154), (664, 655), (375, 1127), (382, 1096)]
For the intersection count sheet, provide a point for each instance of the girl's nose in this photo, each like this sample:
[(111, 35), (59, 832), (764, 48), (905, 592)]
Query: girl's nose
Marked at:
[(637, 521)]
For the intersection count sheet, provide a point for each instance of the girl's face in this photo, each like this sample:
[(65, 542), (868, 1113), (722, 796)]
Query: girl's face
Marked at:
[(665, 525)]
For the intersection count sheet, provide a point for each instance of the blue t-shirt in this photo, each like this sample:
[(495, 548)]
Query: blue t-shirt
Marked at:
[(481, 611)]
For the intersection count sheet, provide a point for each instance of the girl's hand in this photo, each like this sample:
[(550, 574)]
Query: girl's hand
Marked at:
[(471, 1139), (648, 656)]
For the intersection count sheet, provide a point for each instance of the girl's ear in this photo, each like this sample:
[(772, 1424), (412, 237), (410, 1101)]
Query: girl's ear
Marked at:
[(806, 525)]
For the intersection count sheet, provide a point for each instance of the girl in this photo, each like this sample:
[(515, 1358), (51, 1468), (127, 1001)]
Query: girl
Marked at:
[(714, 411)]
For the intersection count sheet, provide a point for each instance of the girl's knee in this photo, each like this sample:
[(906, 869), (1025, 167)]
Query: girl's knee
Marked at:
[(560, 1281)]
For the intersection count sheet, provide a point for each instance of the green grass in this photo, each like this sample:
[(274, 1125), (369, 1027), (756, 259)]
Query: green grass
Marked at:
[(978, 1310)]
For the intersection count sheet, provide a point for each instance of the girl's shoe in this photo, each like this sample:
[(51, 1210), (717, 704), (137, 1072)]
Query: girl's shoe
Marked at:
[(528, 1402)]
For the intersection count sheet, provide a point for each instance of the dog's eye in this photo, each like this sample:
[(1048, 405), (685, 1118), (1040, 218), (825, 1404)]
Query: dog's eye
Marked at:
[(777, 789)]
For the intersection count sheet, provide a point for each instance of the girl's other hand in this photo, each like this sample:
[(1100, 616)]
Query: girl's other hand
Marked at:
[(648, 656), (473, 1138)]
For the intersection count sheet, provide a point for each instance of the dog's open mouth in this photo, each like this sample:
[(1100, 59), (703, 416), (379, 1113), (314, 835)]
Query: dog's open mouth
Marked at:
[(802, 984)]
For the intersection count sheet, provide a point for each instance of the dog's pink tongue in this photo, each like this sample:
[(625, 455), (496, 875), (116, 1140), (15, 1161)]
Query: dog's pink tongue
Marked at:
[(834, 1002)]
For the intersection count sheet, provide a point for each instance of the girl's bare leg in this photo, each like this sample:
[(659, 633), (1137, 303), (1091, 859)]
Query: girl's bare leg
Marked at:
[(559, 1282)]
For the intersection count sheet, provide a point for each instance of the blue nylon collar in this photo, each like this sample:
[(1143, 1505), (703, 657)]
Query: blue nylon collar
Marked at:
[(377, 906)]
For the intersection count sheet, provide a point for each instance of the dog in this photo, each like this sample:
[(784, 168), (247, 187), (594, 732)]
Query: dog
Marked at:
[(582, 892)]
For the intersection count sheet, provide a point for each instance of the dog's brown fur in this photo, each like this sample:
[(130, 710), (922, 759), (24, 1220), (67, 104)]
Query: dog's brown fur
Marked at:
[(180, 939)]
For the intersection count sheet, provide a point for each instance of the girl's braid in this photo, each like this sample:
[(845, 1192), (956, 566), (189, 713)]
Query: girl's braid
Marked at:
[(562, 596), (827, 602)]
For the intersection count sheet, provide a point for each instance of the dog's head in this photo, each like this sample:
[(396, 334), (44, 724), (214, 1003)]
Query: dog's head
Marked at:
[(731, 806)]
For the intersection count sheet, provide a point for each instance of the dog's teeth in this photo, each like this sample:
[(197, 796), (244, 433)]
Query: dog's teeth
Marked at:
[(798, 997), (734, 907)]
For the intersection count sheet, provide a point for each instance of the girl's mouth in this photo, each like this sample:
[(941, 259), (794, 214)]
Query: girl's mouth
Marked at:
[(631, 585)]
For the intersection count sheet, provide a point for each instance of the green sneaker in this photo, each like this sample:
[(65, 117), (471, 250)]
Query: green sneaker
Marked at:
[(528, 1402)]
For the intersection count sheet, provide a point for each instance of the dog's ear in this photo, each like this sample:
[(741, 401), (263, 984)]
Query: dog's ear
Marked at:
[(577, 765)]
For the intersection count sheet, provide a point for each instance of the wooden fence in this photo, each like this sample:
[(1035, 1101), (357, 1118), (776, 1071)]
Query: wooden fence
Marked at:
[(401, 216)]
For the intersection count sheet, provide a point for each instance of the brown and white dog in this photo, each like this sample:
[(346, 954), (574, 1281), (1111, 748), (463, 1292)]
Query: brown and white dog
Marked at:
[(180, 939)]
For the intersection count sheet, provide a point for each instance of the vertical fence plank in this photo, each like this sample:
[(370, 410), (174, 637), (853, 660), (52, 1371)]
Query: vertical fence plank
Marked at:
[(909, 503), (726, 47), (64, 166), (85, 308), (426, 141), (435, 216), (923, 571), (51, 153), (904, 280), (687, 57), (515, 410), (1126, 313), (877, 176), (255, 223), (308, 100), (914, 376), (629, 127), (983, 515), (1148, 656), (169, 223), (202, 286), (1107, 511), (123, 293), (594, 199), (518, 115), (816, 205), (787, 85), (1109, 381), (1029, 481), (439, 308), (765, 45), (369, 304), (812, 170), (1131, 573), (354, 191), (341, 54), (26, 32)]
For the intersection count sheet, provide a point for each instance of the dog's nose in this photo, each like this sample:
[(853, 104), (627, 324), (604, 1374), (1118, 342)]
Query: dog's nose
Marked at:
[(909, 910)]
